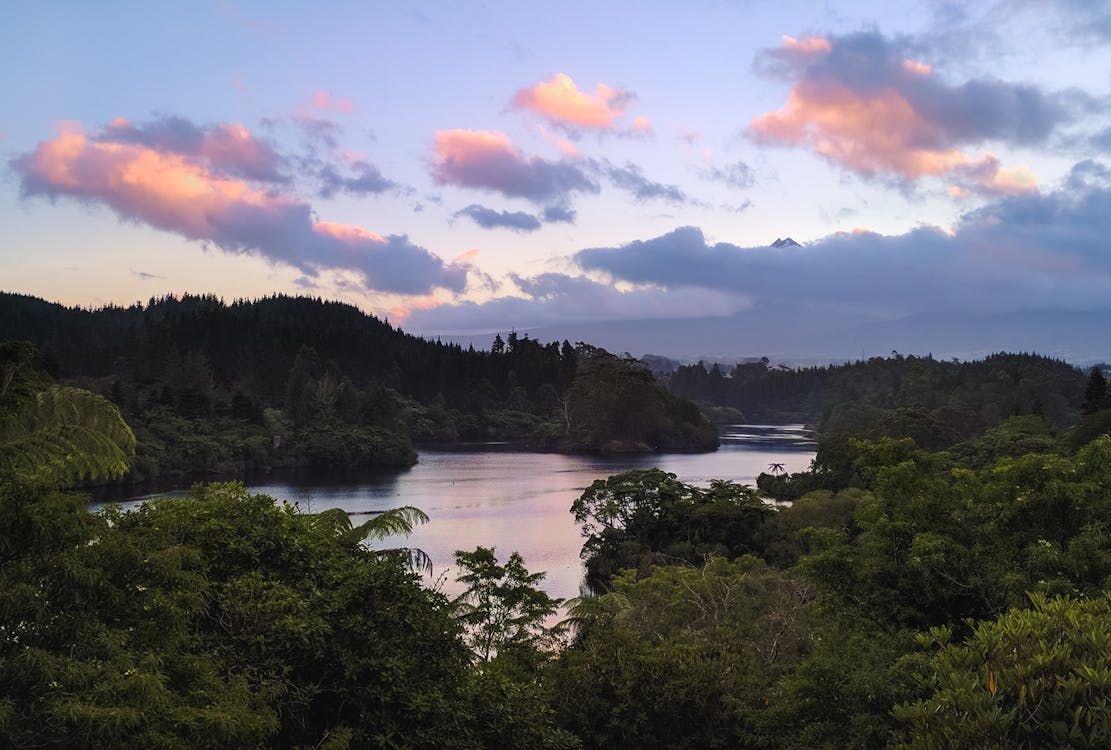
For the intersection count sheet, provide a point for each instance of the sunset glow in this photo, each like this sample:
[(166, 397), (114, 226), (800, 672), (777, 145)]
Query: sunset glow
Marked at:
[(611, 171)]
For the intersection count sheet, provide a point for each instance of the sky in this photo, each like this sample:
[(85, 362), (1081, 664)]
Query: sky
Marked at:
[(470, 167)]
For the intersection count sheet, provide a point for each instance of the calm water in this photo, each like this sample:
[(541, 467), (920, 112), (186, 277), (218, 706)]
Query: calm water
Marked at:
[(521, 501)]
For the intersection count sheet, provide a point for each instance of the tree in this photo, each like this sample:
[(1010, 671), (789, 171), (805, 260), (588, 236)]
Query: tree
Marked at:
[(55, 435), (387, 523), (648, 517), (1033, 678), (1095, 393), (686, 657), (224, 620), (502, 609)]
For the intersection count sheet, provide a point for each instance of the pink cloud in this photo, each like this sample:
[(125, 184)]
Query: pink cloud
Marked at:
[(467, 255), (401, 312), (228, 148), (810, 46), (488, 160), (870, 135), (855, 101), (183, 193), (325, 101), (561, 102)]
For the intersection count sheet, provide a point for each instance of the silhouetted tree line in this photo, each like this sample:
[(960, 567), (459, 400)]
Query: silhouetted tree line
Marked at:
[(294, 381), (938, 403)]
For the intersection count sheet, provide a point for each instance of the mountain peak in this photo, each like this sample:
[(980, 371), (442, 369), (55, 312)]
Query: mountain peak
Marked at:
[(785, 242)]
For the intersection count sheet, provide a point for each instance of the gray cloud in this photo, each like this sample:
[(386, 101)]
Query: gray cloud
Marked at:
[(631, 179), (1021, 251), (559, 214), (488, 218), (737, 175), (368, 180), (560, 298)]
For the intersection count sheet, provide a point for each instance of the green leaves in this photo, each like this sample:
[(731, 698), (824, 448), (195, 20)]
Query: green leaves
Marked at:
[(56, 435), (502, 608), (1033, 678), (336, 522)]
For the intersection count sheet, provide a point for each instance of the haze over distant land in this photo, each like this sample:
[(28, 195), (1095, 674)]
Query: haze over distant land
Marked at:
[(693, 180), (1078, 337)]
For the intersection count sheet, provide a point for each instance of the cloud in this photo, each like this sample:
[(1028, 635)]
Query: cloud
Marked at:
[(227, 148), (737, 175), (186, 192), (1020, 251), (559, 214), (367, 180), (488, 160), (560, 298), (631, 179), (488, 218), (861, 102), (560, 102), (324, 100), (144, 276)]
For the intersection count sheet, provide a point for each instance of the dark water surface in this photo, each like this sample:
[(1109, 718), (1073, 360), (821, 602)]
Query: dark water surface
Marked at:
[(512, 500)]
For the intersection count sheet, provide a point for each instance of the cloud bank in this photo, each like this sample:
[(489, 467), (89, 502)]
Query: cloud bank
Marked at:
[(1029, 250), (1019, 252)]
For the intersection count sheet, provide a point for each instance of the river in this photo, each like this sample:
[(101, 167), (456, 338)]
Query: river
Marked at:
[(511, 500)]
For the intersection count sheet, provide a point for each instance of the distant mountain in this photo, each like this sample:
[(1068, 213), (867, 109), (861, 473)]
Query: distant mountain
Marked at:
[(785, 242)]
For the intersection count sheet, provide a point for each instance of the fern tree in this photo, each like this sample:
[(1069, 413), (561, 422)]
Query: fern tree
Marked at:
[(54, 435), (394, 522)]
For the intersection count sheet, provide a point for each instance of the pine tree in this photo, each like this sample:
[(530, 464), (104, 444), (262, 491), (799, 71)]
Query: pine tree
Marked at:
[(1095, 395)]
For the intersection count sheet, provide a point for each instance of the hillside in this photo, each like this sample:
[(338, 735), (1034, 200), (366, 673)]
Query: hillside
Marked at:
[(295, 381)]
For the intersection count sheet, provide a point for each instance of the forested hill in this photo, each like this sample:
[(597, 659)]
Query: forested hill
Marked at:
[(936, 402), (299, 381)]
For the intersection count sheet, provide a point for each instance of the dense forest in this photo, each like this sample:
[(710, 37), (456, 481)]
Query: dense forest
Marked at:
[(288, 381), (950, 400), (915, 601)]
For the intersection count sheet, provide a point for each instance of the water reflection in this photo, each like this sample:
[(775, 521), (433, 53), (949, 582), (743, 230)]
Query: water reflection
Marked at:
[(512, 500)]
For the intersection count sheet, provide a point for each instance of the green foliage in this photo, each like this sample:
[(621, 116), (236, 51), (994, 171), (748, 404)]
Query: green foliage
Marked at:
[(648, 517), (382, 525), (1095, 392), (840, 694), (685, 657), (936, 403), (1014, 437), (615, 405), (938, 545), (1033, 678), (781, 539), (502, 609), (55, 435), (229, 389), (222, 620)]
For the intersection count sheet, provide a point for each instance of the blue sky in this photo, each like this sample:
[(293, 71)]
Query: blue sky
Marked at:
[(480, 166)]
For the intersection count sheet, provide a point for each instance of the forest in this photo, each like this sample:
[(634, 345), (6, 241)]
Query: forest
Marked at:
[(235, 389), (943, 595)]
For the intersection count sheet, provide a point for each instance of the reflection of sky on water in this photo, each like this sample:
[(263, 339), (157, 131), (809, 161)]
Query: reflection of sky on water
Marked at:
[(520, 501)]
